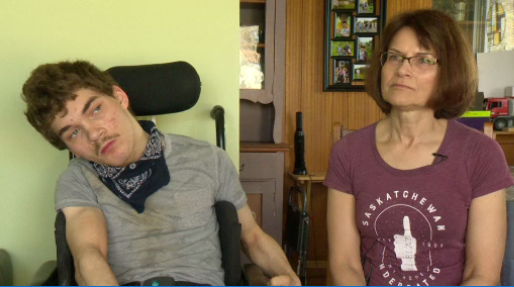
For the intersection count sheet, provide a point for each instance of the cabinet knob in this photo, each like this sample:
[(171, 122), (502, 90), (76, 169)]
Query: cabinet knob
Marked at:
[(241, 167)]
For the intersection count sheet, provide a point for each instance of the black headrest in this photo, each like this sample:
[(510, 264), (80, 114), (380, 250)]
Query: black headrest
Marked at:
[(160, 88)]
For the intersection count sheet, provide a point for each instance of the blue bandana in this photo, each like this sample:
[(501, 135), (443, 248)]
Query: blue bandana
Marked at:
[(136, 182)]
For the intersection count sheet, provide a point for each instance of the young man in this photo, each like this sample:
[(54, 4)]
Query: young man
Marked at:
[(138, 204)]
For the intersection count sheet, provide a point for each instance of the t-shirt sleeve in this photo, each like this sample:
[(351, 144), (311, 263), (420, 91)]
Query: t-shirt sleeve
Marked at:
[(228, 184), (73, 190), (339, 172), (488, 168)]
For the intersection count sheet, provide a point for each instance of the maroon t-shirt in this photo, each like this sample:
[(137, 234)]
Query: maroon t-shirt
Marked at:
[(413, 222)]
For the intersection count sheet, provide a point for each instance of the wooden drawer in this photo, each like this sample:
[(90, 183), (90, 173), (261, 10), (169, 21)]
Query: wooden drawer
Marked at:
[(260, 165), (261, 194)]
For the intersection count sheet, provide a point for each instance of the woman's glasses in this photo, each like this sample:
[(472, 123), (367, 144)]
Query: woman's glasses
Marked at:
[(419, 64)]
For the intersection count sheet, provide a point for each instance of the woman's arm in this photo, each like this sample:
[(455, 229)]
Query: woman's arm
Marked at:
[(343, 240), (485, 239)]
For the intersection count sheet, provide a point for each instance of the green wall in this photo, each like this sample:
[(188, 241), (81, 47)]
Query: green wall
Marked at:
[(204, 33)]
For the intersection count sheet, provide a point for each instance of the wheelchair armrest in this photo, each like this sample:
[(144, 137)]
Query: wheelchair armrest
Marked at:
[(253, 275), (46, 274)]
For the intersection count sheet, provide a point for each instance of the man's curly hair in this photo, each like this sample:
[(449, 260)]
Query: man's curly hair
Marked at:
[(50, 86)]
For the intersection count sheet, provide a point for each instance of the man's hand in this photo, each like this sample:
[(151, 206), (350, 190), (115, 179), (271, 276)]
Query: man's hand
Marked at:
[(264, 251), (285, 280)]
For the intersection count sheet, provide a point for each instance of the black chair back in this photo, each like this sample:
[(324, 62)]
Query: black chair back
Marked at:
[(160, 88), (163, 89)]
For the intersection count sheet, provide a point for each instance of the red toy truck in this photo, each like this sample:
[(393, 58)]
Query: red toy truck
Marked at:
[(502, 111)]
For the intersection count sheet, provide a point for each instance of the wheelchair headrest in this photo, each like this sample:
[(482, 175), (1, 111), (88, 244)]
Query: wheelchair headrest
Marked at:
[(159, 88)]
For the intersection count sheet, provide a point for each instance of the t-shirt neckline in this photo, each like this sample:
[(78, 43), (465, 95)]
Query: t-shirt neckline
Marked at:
[(408, 172)]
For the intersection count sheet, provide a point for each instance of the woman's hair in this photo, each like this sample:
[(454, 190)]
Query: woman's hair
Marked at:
[(457, 78), (50, 86)]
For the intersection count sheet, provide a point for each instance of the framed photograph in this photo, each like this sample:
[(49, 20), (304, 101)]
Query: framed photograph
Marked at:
[(364, 49), (352, 33), (342, 71), (343, 49), (366, 25), (343, 4), (366, 7), (359, 72), (342, 25)]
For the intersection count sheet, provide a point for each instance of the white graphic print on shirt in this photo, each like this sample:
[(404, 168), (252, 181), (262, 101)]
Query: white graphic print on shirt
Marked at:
[(405, 247), (404, 224)]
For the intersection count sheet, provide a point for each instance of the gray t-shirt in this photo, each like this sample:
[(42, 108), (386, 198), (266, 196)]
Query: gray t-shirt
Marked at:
[(177, 234)]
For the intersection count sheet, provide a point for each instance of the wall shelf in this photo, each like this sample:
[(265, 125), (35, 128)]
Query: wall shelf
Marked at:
[(253, 1), (263, 147)]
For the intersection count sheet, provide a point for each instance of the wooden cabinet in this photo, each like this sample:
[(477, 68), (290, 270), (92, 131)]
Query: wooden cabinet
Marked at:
[(262, 179), (261, 175), (262, 109)]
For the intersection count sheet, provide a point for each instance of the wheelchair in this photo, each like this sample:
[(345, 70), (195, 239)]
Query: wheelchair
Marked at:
[(155, 90)]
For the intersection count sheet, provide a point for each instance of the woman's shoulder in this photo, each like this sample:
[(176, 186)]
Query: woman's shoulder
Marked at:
[(467, 138), (463, 133)]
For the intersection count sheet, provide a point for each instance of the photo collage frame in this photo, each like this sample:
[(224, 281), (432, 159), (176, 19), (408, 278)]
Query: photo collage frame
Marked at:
[(352, 31)]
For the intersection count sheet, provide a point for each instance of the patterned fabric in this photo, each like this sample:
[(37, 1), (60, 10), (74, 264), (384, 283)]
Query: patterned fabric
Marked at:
[(136, 182)]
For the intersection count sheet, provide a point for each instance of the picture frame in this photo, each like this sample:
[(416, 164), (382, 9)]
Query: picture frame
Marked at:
[(343, 4), (366, 7), (364, 49), (365, 25), (359, 72), (342, 48), (342, 25), (342, 71), (352, 33)]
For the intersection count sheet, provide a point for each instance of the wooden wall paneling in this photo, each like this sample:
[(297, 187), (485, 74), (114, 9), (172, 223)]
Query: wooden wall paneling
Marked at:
[(396, 6), (318, 134), (363, 111), (316, 104), (303, 92), (293, 85), (293, 63), (293, 72), (340, 110)]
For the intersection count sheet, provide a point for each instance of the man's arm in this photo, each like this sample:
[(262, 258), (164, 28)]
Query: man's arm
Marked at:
[(485, 239), (265, 251), (86, 234), (343, 240)]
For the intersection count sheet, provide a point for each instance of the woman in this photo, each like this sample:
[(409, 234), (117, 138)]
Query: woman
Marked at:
[(418, 198)]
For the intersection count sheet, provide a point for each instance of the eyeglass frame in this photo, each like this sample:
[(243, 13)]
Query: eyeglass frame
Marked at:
[(437, 62)]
